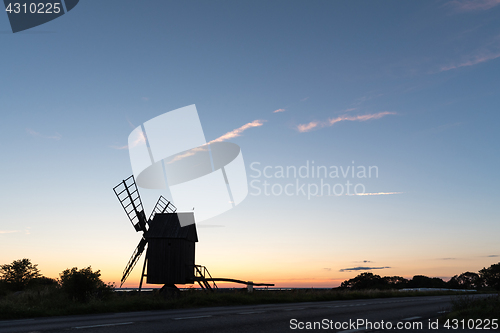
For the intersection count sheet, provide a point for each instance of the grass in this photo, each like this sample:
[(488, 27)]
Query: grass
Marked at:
[(51, 301), (466, 307)]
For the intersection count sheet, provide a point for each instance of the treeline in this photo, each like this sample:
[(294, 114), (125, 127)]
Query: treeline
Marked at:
[(485, 278), (77, 284), (84, 284)]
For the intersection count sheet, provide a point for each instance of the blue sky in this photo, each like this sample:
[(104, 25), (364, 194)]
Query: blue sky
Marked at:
[(409, 87)]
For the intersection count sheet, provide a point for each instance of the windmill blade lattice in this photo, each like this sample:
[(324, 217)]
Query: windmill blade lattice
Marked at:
[(129, 197), (162, 206), (133, 260)]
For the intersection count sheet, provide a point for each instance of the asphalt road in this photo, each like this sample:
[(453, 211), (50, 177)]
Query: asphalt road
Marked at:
[(414, 314)]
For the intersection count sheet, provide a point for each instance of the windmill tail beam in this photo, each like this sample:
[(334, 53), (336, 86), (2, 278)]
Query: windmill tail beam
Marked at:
[(248, 283)]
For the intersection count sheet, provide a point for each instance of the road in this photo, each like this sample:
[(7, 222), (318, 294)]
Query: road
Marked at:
[(335, 316)]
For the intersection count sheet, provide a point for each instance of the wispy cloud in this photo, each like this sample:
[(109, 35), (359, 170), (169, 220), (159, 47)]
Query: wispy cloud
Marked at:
[(140, 139), (237, 132), (361, 269), (279, 110), (130, 123), (472, 5), (378, 193), (229, 135), (473, 60), (447, 259), (8, 231), (330, 122), (350, 109), (119, 147), (328, 269), (304, 99), (35, 134), (190, 152), (364, 261), (361, 194), (493, 256), (307, 127)]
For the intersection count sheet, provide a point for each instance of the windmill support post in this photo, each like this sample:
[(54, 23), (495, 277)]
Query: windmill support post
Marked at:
[(143, 270)]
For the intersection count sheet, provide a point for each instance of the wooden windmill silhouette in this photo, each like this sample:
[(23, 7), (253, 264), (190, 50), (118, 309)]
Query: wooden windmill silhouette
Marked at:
[(170, 239)]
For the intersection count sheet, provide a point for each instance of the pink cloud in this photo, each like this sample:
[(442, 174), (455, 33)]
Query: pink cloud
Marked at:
[(191, 152), (308, 127), (279, 110), (229, 135), (379, 193), (360, 118), (119, 147), (8, 231), (237, 132), (139, 139)]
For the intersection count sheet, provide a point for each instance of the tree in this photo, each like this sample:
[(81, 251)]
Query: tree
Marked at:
[(397, 282), (365, 281), (467, 280), (422, 281), (491, 276), (19, 273), (84, 284)]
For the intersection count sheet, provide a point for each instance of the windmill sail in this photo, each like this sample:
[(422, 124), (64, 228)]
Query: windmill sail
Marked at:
[(129, 197), (162, 206), (133, 260)]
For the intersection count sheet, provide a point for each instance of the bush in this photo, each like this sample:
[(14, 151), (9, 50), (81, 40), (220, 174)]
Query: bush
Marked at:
[(84, 284), (4, 288), (42, 282)]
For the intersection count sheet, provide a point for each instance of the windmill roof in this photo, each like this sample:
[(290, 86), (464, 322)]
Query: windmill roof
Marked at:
[(168, 226)]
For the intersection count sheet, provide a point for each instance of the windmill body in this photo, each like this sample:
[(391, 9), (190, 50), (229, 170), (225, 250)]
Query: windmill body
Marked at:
[(171, 249)]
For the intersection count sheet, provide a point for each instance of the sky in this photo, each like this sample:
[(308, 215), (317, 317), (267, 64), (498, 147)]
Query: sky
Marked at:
[(408, 88)]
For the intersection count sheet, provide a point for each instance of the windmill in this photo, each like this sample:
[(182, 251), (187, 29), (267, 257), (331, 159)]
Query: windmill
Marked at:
[(170, 239), (128, 195)]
